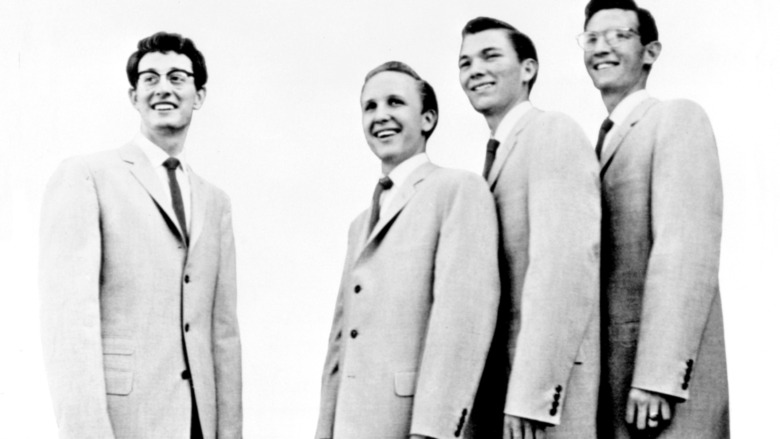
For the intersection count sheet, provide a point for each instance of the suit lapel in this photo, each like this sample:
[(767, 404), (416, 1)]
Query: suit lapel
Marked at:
[(405, 193), (198, 208), (622, 131), (144, 173), (510, 142)]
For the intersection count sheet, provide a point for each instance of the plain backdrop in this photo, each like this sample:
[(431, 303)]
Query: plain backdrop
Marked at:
[(280, 132)]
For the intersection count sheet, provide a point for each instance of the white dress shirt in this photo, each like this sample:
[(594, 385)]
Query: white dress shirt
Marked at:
[(399, 176), (505, 127), (156, 157), (623, 109)]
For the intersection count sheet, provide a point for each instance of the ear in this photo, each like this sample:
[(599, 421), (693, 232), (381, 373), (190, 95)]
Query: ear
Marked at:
[(133, 95), (528, 69), (200, 96), (429, 119), (651, 53)]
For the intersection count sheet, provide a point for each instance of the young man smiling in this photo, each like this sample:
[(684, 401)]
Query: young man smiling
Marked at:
[(138, 283), (543, 374), (417, 305), (665, 362)]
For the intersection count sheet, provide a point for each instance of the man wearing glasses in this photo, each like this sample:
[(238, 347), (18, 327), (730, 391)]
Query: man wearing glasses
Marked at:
[(665, 364), (137, 274)]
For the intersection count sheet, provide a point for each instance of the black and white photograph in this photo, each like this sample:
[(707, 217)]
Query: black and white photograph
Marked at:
[(389, 220)]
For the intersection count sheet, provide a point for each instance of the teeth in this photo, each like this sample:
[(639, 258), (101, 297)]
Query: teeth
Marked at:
[(385, 133), (604, 66), (482, 86), (163, 107)]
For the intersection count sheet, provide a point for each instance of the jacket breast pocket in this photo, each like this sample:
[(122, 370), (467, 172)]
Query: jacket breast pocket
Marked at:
[(405, 383), (118, 365)]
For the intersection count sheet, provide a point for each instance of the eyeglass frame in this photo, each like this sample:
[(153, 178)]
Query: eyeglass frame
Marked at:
[(603, 34), (170, 77)]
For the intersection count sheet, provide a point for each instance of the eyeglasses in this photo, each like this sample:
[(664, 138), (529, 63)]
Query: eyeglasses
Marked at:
[(177, 78), (613, 37)]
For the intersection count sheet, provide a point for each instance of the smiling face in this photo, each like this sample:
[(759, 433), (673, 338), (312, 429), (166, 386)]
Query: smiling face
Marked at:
[(165, 94), (622, 69), (491, 74), (393, 120)]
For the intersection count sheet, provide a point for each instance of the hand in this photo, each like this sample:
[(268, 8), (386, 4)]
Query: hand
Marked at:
[(648, 409), (522, 428)]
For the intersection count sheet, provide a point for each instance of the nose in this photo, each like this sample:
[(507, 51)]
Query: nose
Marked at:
[(163, 86), (601, 46), (476, 68)]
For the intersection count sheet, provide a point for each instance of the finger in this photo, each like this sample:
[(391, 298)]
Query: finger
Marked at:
[(641, 416), (653, 412), (666, 410), (630, 412), (528, 430), (507, 428)]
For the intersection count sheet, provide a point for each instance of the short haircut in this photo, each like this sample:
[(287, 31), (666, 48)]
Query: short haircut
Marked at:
[(648, 32), (427, 95), (524, 47), (167, 42)]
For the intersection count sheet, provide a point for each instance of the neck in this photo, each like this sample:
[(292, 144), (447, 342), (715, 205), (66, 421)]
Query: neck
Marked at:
[(169, 140), (612, 98), (494, 119)]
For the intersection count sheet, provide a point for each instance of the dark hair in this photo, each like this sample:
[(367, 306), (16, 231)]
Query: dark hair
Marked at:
[(166, 42), (427, 95), (523, 45), (648, 32)]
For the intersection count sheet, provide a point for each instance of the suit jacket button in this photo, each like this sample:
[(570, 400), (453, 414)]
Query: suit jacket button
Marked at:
[(553, 411), (186, 327), (558, 388), (685, 386), (555, 404), (357, 289), (353, 333), (186, 278), (185, 375), (556, 397)]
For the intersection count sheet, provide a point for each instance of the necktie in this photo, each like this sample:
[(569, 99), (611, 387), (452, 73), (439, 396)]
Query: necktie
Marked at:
[(490, 156), (178, 204), (605, 127), (383, 184)]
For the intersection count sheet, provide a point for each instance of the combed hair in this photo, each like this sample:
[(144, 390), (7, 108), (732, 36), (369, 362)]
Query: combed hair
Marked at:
[(648, 32), (168, 42), (524, 47), (427, 95)]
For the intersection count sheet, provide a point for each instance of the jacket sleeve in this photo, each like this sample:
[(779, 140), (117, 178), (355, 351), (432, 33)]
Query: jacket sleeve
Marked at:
[(331, 374), (682, 272), (463, 315), (226, 340), (70, 261), (559, 295)]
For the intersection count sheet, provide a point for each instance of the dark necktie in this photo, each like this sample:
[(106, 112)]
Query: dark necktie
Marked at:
[(490, 157), (605, 127), (383, 184), (178, 204)]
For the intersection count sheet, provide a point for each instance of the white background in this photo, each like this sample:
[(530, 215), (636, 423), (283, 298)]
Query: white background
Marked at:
[(280, 132)]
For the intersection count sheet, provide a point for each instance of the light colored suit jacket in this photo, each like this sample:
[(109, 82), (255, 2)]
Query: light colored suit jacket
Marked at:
[(127, 307), (662, 201), (415, 313), (546, 357)]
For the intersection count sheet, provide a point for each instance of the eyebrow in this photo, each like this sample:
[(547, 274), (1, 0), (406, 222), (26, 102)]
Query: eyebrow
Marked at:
[(481, 52), (169, 71)]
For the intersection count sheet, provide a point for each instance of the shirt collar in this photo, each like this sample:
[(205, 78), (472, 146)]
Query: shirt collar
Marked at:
[(510, 120), (627, 105), (401, 172), (155, 154)]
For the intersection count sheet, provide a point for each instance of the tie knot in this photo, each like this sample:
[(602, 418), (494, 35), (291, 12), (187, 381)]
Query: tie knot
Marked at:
[(385, 182), (492, 145), (607, 125), (171, 164)]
